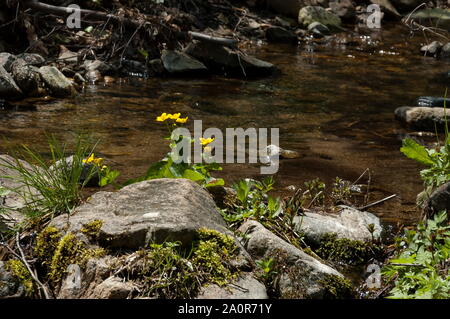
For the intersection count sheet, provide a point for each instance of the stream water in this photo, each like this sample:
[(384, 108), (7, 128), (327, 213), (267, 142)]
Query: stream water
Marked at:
[(334, 104)]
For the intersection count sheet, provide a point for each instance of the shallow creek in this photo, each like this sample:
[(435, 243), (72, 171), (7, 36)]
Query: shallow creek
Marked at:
[(334, 104)]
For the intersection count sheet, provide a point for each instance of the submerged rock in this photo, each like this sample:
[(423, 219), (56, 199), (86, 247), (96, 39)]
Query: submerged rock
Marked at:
[(422, 118), (310, 14), (246, 287), (432, 101), (180, 62), (56, 82), (8, 87), (350, 223), (433, 49), (157, 210), (318, 29), (302, 275), (226, 60)]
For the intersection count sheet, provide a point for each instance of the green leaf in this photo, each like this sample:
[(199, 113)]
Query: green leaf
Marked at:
[(193, 175), (415, 151)]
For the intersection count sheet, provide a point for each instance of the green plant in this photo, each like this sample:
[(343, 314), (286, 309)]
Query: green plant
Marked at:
[(315, 191), (50, 187), (252, 200), (267, 267), (437, 160), (421, 270), (169, 167), (341, 191)]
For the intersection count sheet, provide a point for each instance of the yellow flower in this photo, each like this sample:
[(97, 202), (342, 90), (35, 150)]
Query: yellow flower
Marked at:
[(89, 159), (163, 117), (206, 141), (175, 116), (92, 159), (181, 120)]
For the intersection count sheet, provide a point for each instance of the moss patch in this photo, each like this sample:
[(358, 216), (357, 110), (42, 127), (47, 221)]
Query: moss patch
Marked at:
[(92, 229), (56, 252), (167, 271), (20, 271), (351, 252), (337, 287)]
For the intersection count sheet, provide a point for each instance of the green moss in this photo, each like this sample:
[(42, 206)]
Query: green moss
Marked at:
[(352, 252), (166, 271), (337, 287), (46, 244), (69, 251), (92, 229), (56, 252), (20, 271)]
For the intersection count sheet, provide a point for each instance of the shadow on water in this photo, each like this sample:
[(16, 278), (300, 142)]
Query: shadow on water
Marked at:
[(334, 104)]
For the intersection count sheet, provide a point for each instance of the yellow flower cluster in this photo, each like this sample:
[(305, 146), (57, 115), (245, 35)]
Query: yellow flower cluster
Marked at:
[(94, 160), (176, 117), (206, 141)]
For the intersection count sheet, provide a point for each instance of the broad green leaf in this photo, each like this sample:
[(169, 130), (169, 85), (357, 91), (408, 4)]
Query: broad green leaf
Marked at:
[(415, 151)]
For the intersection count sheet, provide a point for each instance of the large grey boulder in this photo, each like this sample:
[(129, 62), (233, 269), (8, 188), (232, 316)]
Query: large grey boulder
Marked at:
[(349, 223), (310, 14), (180, 62), (226, 60), (56, 82), (246, 287), (150, 211), (422, 118), (8, 87), (301, 271)]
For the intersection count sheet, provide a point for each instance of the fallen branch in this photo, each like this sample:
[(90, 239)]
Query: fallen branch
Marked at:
[(32, 273), (208, 38), (377, 202)]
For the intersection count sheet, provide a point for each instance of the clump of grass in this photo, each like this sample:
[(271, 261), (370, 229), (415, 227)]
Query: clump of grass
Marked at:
[(54, 186)]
